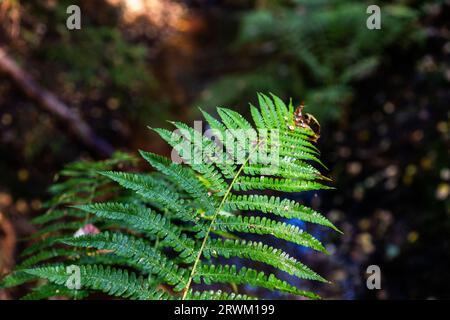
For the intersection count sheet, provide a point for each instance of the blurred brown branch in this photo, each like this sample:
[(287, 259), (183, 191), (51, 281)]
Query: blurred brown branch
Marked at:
[(49, 102), (8, 241)]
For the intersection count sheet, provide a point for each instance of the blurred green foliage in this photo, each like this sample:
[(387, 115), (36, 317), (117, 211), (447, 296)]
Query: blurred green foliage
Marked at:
[(311, 50), (102, 57), (100, 71), (100, 61)]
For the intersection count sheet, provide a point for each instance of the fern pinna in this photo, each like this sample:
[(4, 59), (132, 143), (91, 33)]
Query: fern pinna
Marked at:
[(173, 232)]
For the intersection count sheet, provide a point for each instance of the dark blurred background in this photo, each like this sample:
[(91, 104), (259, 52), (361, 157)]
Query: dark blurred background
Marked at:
[(382, 97)]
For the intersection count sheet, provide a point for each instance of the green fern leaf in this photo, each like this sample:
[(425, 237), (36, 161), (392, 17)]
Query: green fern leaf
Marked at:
[(115, 282), (169, 225), (282, 207), (148, 188), (15, 279), (264, 226), (49, 290), (138, 251), (47, 255), (216, 295), (257, 251), (230, 274), (145, 220), (277, 184)]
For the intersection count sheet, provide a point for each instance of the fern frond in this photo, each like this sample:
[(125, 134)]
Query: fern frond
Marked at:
[(138, 251), (221, 132), (287, 169), (52, 215), (193, 154), (212, 151), (112, 281), (47, 255), (41, 245), (16, 278), (184, 176), (302, 155), (49, 290), (59, 226), (216, 295), (148, 188), (230, 274), (145, 220), (168, 225), (281, 207), (257, 251), (288, 140), (277, 184), (264, 226)]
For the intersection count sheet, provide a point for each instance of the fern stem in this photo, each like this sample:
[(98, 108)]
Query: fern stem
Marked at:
[(219, 208)]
